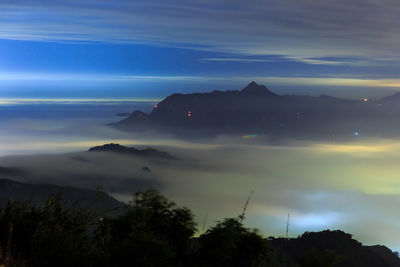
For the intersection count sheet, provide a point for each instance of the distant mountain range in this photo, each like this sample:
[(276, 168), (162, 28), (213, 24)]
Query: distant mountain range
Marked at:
[(255, 110)]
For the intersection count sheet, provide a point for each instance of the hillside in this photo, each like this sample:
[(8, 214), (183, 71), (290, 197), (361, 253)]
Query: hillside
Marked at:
[(38, 193)]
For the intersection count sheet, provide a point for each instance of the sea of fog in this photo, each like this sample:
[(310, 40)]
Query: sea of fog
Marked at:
[(354, 186)]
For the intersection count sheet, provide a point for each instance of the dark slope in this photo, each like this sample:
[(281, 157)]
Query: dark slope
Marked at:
[(333, 248), (11, 171), (37, 193), (255, 109)]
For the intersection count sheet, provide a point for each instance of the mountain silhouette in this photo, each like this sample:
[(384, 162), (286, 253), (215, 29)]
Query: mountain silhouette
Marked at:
[(117, 148), (257, 110), (253, 89)]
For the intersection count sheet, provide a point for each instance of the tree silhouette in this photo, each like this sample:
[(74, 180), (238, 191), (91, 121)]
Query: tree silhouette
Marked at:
[(229, 243), (153, 232)]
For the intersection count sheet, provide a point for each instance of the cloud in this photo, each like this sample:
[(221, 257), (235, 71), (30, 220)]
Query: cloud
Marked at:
[(319, 186), (322, 185), (270, 80), (300, 29), (113, 172), (22, 88), (69, 101), (131, 87), (330, 80), (315, 61), (243, 60)]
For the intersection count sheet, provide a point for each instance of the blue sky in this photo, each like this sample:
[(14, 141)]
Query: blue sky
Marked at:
[(141, 50)]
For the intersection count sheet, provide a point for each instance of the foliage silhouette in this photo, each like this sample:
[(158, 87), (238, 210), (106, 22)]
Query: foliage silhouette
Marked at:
[(229, 243), (154, 231)]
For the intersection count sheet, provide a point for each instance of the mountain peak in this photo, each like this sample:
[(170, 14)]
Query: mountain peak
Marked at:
[(258, 90), (139, 115), (252, 83)]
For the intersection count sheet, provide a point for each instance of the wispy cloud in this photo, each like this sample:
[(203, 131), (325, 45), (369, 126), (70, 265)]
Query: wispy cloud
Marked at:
[(82, 101), (331, 80), (301, 29), (316, 61), (243, 60), (312, 61), (272, 80)]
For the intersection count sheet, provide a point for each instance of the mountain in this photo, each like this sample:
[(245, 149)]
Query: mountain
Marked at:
[(391, 99), (257, 110), (38, 193), (332, 248), (123, 114), (253, 89), (117, 148)]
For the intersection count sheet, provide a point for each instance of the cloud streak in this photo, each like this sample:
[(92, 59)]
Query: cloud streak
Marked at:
[(331, 80), (302, 30), (243, 60)]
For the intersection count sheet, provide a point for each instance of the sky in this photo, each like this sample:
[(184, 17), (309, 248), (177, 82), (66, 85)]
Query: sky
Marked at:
[(150, 49)]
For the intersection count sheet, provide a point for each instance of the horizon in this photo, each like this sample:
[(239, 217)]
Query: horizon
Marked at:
[(288, 91)]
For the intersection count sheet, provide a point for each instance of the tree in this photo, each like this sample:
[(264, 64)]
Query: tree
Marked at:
[(61, 236), (229, 243), (153, 232)]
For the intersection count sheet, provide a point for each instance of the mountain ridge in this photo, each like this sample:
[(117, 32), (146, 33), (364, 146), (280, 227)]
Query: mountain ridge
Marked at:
[(256, 109), (117, 148)]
